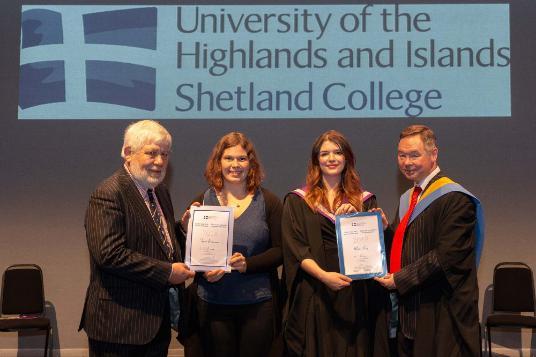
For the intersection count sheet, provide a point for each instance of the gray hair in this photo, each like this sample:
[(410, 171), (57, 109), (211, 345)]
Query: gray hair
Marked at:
[(144, 132)]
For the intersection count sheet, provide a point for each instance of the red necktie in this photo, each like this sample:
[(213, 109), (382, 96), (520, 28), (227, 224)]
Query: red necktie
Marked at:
[(396, 249)]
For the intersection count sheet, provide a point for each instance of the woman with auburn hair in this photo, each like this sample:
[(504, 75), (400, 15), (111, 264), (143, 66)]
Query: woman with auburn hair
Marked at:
[(327, 312), (239, 312)]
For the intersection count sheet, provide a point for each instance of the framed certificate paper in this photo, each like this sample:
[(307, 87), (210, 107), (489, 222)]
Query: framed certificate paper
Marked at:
[(360, 244), (209, 242)]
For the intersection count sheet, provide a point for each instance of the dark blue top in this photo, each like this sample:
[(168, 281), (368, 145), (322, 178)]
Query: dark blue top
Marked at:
[(251, 236)]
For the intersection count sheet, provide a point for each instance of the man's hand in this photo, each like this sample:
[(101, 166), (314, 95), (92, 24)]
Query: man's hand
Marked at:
[(238, 262), (186, 217), (387, 281), (385, 222), (335, 281), (180, 273), (214, 275)]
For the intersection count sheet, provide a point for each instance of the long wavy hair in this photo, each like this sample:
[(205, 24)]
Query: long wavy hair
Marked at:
[(349, 189), (213, 171)]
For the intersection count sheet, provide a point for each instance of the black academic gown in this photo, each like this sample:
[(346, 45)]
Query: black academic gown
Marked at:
[(318, 321), (437, 285)]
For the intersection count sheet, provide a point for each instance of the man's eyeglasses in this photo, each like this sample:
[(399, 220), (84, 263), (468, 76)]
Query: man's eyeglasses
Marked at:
[(153, 154)]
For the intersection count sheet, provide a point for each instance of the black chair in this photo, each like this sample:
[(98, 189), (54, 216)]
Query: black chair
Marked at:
[(23, 298), (513, 293)]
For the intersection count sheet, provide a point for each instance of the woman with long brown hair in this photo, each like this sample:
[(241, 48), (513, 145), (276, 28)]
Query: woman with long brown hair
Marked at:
[(239, 312), (327, 312)]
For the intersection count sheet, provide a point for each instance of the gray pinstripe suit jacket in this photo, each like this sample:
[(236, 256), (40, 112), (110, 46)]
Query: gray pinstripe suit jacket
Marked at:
[(128, 288)]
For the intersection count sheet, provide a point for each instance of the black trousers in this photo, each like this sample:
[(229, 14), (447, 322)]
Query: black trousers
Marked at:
[(236, 330), (157, 347)]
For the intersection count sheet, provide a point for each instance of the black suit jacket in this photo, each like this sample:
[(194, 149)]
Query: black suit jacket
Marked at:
[(128, 288), (437, 285)]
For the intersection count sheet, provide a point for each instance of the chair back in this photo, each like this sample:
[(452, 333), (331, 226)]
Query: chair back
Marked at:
[(513, 287), (22, 290)]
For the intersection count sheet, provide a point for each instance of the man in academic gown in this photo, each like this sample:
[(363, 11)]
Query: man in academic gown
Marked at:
[(433, 271)]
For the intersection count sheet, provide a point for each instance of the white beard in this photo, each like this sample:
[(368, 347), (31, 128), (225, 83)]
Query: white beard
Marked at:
[(143, 176)]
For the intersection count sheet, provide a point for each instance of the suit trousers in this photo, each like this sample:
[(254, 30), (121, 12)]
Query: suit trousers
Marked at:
[(157, 347), (405, 345)]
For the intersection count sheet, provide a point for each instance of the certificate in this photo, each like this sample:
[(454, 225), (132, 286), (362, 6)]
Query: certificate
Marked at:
[(209, 242), (360, 244)]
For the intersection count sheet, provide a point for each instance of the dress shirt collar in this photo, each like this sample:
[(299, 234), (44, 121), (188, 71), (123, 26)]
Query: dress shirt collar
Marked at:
[(422, 184)]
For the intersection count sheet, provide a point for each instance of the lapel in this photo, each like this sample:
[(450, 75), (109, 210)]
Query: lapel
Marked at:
[(167, 210), (138, 205)]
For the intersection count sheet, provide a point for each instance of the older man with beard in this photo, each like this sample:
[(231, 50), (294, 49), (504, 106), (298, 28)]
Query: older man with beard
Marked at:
[(134, 253)]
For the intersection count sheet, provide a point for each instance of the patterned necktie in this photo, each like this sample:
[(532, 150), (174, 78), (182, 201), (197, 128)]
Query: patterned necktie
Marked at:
[(396, 250), (158, 221)]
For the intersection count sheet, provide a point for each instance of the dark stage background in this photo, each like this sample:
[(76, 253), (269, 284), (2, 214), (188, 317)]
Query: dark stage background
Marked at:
[(50, 167)]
